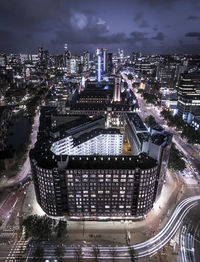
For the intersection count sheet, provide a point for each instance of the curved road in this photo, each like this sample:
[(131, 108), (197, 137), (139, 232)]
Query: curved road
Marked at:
[(144, 249)]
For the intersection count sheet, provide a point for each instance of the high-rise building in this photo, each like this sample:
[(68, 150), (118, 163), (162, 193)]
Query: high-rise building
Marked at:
[(189, 94), (109, 63), (99, 64), (104, 60), (101, 54), (67, 56), (78, 170), (117, 89), (86, 61)]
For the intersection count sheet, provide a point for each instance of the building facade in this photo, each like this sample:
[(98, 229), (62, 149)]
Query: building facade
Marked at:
[(79, 170), (189, 94)]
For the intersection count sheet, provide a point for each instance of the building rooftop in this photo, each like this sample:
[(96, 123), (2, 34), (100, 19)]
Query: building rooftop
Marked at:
[(137, 122), (96, 132), (111, 162), (160, 138)]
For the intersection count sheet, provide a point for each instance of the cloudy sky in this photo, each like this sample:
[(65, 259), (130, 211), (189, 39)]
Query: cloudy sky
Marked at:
[(149, 26)]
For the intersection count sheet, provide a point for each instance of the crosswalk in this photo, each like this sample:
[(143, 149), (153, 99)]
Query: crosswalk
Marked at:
[(7, 237), (18, 252)]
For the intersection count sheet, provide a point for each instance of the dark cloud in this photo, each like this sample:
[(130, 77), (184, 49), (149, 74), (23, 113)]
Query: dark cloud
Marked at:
[(181, 42), (144, 24), (155, 28), (138, 17), (139, 36), (26, 25), (6, 35), (154, 3), (160, 36), (193, 34), (193, 17)]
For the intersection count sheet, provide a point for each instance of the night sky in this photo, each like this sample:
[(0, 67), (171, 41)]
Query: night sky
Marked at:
[(149, 26)]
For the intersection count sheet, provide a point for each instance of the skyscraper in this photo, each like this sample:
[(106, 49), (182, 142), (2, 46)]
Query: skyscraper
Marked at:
[(101, 54), (67, 57), (189, 94), (117, 89)]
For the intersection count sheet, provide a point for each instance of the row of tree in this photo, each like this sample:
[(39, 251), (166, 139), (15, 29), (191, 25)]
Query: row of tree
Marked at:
[(187, 131), (176, 162), (59, 253), (149, 98)]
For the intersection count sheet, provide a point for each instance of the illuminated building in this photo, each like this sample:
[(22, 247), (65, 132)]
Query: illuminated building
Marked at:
[(101, 54), (189, 94), (117, 89), (67, 57), (156, 144), (99, 64), (78, 171), (109, 63)]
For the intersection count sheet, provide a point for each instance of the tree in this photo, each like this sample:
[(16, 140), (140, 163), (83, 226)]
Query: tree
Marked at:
[(59, 253), (113, 253), (61, 229), (130, 77), (192, 135), (140, 91), (166, 114), (176, 162), (38, 254), (96, 253), (78, 253), (150, 98), (150, 121), (38, 227), (132, 254), (125, 85)]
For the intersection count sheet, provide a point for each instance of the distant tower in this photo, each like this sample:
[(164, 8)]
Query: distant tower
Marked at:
[(104, 60), (41, 53), (99, 63), (67, 57), (117, 89), (109, 63), (65, 47), (101, 54)]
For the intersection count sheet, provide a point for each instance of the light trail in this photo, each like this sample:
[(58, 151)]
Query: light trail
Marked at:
[(144, 249)]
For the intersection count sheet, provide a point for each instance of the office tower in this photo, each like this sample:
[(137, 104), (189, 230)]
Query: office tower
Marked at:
[(109, 63), (86, 61), (104, 60), (101, 54), (99, 63), (41, 54), (67, 56), (117, 89), (189, 94)]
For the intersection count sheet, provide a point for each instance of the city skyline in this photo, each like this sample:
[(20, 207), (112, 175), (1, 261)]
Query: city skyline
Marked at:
[(140, 26), (100, 130)]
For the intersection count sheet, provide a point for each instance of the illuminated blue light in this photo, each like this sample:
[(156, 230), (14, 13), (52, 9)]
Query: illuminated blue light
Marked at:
[(99, 68), (104, 61)]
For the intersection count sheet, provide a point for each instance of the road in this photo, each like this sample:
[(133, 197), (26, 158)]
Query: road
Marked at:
[(190, 151), (187, 149), (25, 169), (145, 249), (12, 201), (189, 239)]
